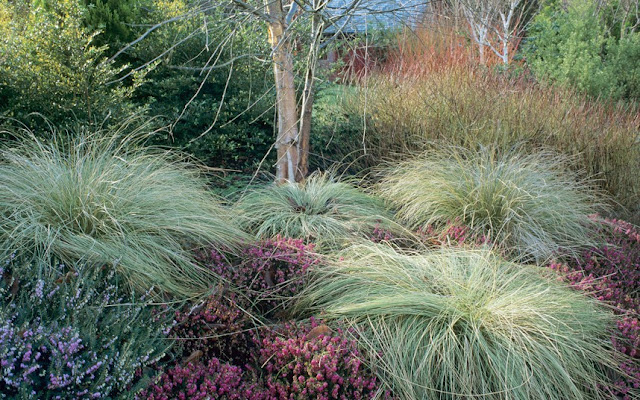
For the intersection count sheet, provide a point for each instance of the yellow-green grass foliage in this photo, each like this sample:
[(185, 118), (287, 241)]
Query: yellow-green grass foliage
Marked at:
[(467, 107)]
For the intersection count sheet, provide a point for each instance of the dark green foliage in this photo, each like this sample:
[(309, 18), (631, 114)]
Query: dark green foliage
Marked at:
[(114, 20), (221, 115), (337, 132), (233, 142), (53, 62)]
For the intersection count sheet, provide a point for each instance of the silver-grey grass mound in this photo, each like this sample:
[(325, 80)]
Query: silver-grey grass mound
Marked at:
[(321, 209), (466, 324), (530, 205), (106, 201)]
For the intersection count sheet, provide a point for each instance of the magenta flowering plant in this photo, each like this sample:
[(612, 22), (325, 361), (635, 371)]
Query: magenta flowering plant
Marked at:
[(311, 361), (212, 379), (218, 327), (381, 234), (223, 354), (269, 272), (291, 361), (277, 270), (610, 272), (453, 233), (265, 278)]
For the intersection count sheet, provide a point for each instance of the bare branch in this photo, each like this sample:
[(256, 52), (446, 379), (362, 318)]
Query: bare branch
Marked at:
[(253, 10), (218, 66), (150, 30)]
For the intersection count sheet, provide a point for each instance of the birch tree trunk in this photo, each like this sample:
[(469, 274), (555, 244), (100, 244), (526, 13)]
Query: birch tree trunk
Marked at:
[(287, 141)]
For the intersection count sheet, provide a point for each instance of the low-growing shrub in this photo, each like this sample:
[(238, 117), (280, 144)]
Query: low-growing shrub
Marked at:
[(529, 205), (79, 336), (618, 259), (611, 273), (203, 381), (106, 200), (218, 327), (457, 324), (320, 209), (627, 338), (274, 271), (305, 360), (310, 361), (268, 273), (275, 359), (51, 360), (264, 279)]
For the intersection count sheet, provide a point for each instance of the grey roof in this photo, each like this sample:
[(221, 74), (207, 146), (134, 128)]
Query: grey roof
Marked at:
[(375, 14)]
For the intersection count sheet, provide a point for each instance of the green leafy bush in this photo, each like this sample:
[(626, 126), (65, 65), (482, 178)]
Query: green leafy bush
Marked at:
[(115, 19), (455, 324), (529, 205), (320, 209), (51, 66), (107, 200), (55, 62), (586, 46), (75, 333), (240, 138)]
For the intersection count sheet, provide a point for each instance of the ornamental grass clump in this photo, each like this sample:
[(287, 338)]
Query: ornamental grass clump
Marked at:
[(529, 205), (462, 324), (106, 200), (320, 209)]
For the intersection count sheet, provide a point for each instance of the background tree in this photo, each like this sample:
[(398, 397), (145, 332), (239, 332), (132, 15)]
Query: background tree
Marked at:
[(199, 67), (497, 25), (291, 24)]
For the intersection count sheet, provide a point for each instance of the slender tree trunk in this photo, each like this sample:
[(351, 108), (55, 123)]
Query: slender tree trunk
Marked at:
[(287, 139), (305, 127), (307, 98)]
